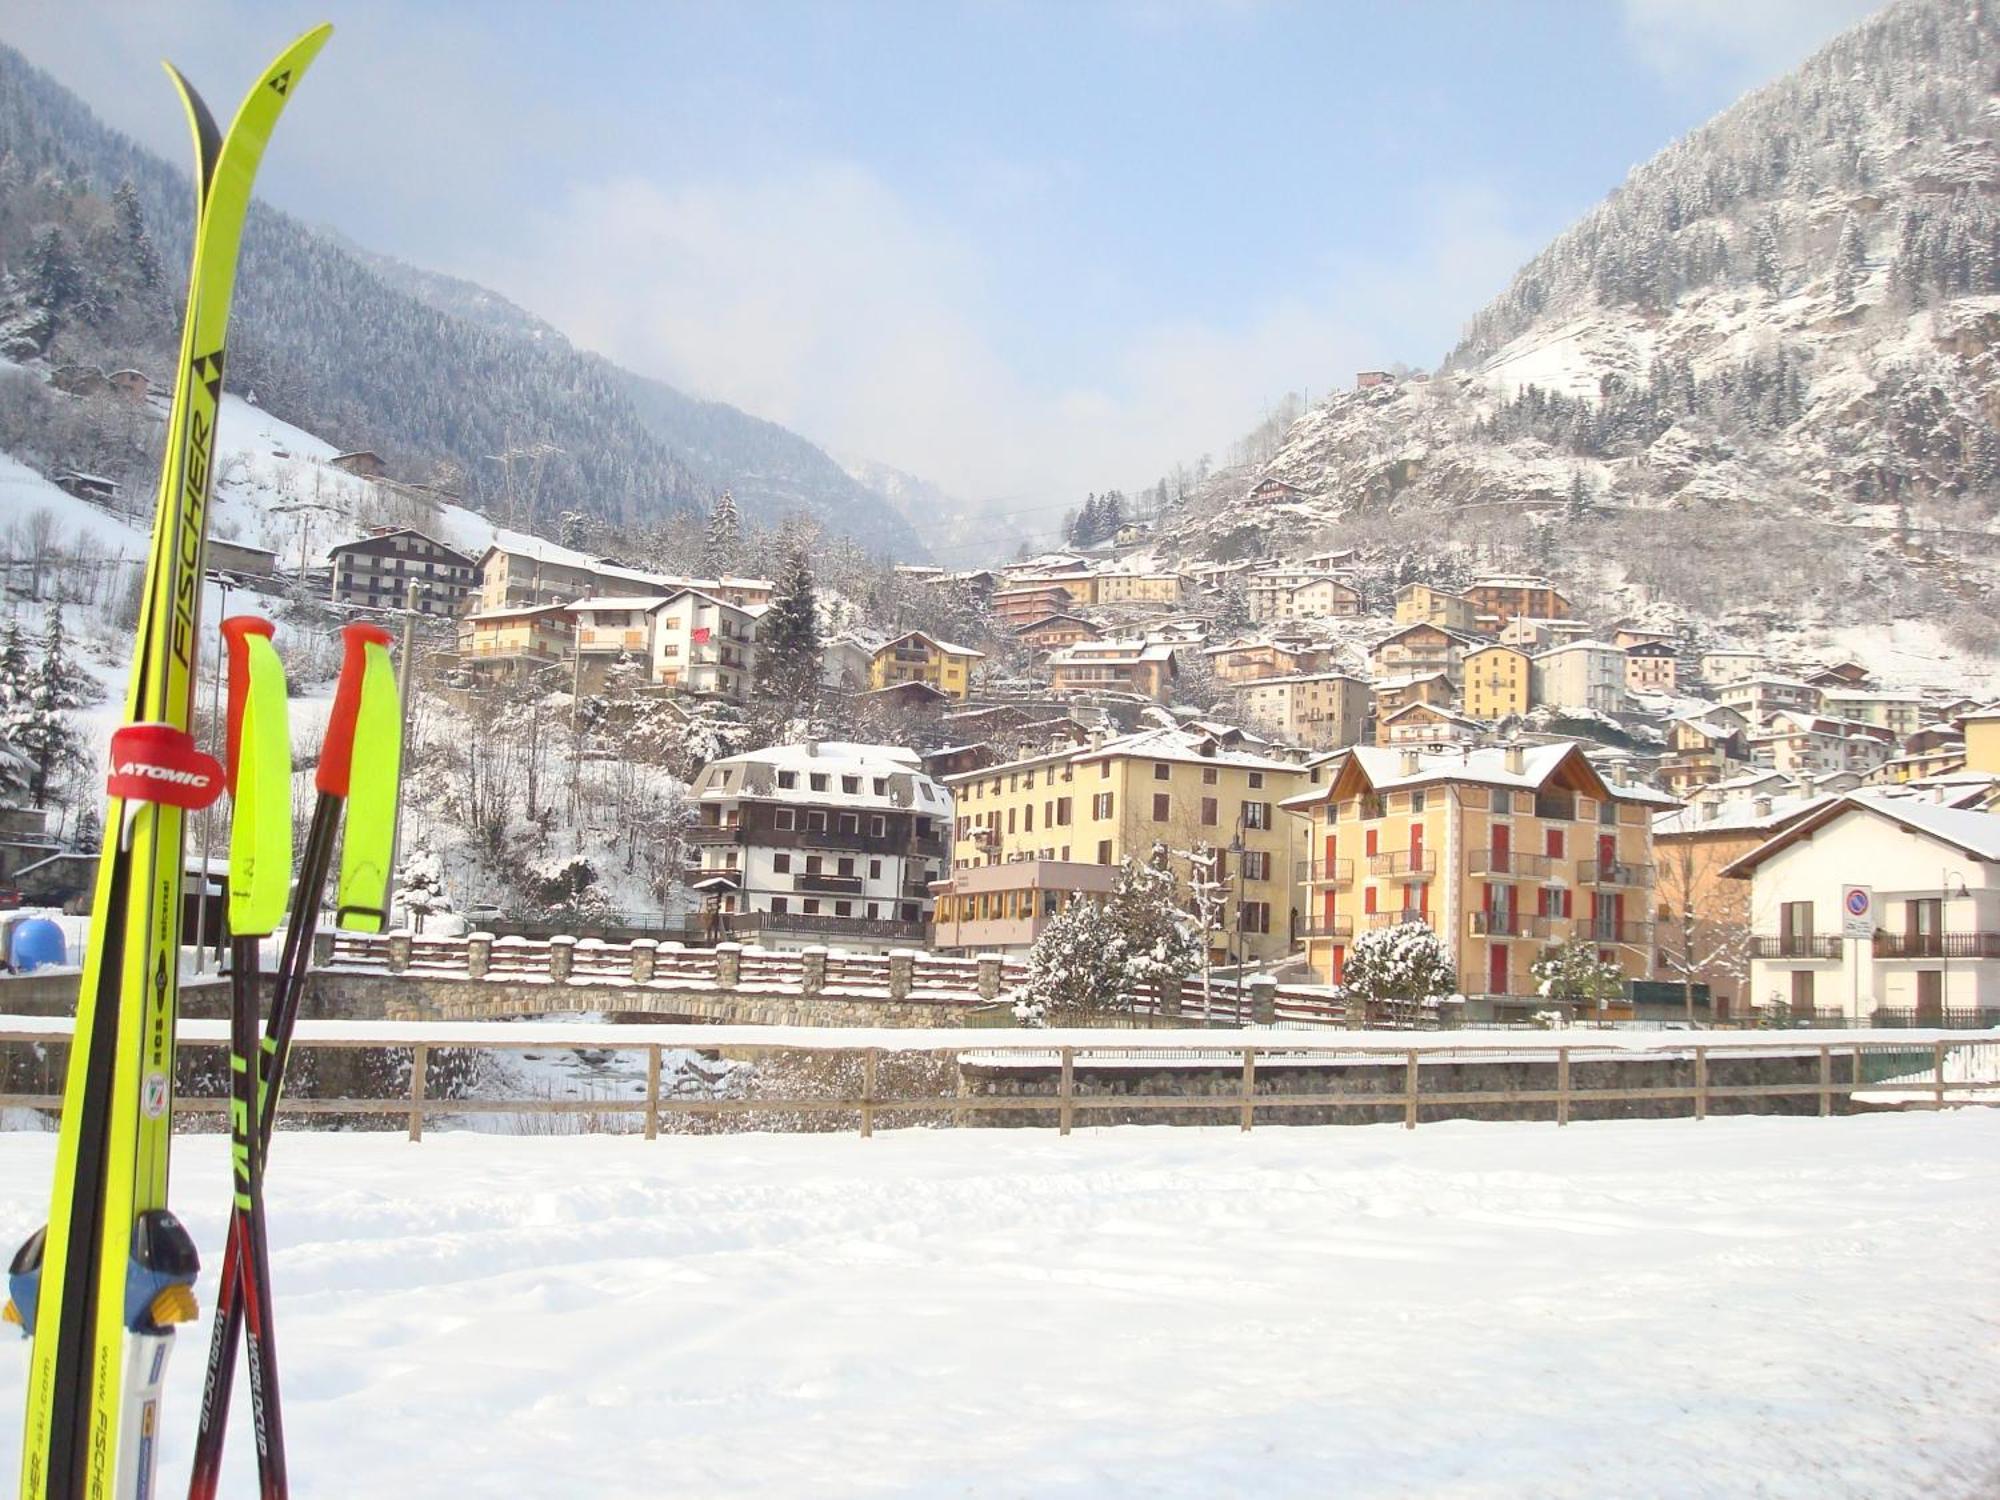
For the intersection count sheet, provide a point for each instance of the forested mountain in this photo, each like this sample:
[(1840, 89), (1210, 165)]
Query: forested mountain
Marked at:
[(433, 373), (1757, 383)]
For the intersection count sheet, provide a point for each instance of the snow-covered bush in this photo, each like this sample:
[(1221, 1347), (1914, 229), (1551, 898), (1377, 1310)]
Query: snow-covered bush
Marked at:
[(1405, 964), (1576, 976), (1076, 968)]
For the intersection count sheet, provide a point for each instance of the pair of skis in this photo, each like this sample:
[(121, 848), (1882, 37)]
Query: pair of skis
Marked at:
[(367, 713), (103, 1286)]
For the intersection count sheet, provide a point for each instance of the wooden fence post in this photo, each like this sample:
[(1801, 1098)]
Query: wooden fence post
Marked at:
[(1410, 1087), (1701, 1083), (1067, 1091), (653, 1092), (420, 1062), (868, 1091), (1562, 1085), (1825, 1080), (1249, 1113)]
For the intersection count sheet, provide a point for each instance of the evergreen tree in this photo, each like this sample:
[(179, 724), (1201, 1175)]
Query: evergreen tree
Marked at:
[(132, 229), (1405, 964), (54, 280), (68, 684), (723, 546), (1850, 259), (1156, 938), (1767, 268), (1075, 969), (1578, 505), (14, 668), (44, 736), (788, 644), (89, 835), (1574, 975)]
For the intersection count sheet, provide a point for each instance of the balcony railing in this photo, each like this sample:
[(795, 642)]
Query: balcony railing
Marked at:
[(831, 885), (709, 833), (1510, 924), (1796, 945), (1325, 871), (1329, 927), (1404, 864), (1937, 945), (735, 923), (1614, 872), (1375, 919), (1619, 934), (1510, 864)]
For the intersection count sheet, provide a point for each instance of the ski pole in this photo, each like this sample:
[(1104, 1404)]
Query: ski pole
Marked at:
[(351, 697), (260, 868)]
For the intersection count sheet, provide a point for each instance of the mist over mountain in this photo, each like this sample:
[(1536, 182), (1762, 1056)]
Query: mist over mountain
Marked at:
[(444, 378)]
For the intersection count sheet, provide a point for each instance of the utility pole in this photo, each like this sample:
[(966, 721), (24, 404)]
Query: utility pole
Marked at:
[(575, 723), (409, 670)]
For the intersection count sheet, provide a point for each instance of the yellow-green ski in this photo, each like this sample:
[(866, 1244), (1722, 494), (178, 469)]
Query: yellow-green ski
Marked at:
[(111, 1261)]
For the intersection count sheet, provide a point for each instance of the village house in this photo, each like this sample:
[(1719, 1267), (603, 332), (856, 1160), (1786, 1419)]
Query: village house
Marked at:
[(1812, 744), (609, 630), (1419, 649), (1394, 693), (1504, 851), (245, 561), (376, 571), (1098, 805), (1422, 603), (847, 661), (1651, 667), (1499, 683), (1704, 749), (1244, 661), (1146, 668), (528, 570), (1982, 739), (1899, 713), (365, 464), (1497, 600), (1321, 598), (831, 844), (1720, 668), (510, 644), (1321, 709), (1052, 631), (1763, 695), (1541, 635), (1020, 606), (1141, 588), (917, 657), (1625, 637), (1275, 491), (1840, 676), (705, 646), (1079, 584), (1583, 676), (1429, 726), (1931, 952)]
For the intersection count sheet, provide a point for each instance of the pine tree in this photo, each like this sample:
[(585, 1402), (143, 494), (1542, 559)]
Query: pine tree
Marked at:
[(1768, 269), (788, 644), (1574, 975), (1158, 940), (43, 734), (1850, 259), (1578, 505), (69, 685), (1075, 969), (723, 546), (1405, 964), (53, 278), (14, 669), (132, 228)]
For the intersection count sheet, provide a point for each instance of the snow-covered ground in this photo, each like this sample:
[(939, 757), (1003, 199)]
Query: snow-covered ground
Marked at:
[(1772, 1307)]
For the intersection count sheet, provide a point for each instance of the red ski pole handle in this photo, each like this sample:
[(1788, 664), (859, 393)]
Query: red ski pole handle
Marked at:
[(236, 633), (336, 755)]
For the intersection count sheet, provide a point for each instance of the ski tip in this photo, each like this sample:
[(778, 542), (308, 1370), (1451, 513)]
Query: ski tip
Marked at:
[(201, 125)]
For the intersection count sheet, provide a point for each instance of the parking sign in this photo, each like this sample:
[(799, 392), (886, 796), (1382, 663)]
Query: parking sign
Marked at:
[(1857, 911)]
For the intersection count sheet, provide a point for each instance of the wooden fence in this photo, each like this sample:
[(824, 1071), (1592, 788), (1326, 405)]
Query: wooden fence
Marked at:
[(1925, 1070)]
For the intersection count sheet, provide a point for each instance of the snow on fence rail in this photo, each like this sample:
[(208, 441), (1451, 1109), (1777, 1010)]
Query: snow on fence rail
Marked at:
[(904, 975), (1062, 1073)]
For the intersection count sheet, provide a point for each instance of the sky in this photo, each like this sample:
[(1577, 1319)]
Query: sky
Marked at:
[(1021, 249)]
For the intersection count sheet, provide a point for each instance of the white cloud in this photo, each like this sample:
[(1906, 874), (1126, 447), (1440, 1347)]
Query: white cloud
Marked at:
[(1746, 41), (822, 300)]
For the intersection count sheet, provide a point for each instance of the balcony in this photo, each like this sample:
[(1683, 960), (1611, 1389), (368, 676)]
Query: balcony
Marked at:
[(1796, 945), (710, 833), (829, 885), (746, 923), (1937, 945), (1324, 871), (1510, 924), (1617, 934), (1404, 864), (1555, 807), (1613, 872), (1328, 927), (1378, 919), (1508, 864)]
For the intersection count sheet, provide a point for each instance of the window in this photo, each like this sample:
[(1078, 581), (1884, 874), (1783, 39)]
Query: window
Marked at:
[(881, 790), (1795, 921), (810, 906), (1163, 805), (878, 825), (1104, 770), (1256, 779), (1104, 851), (1416, 802), (1062, 812), (850, 783), (781, 863), (1802, 991), (1101, 805), (789, 780), (1208, 775), (845, 867), (1208, 812), (1257, 865), (1256, 815), (1607, 811), (1012, 813), (781, 904), (1255, 916), (786, 818), (843, 908), (1368, 841), (874, 870), (813, 864), (1553, 843), (818, 779), (873, 910), (850, 822), (815, 821), (923, 828), (1161, 770)]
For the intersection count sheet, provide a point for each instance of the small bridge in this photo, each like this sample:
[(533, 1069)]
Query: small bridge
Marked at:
[(405, 977)]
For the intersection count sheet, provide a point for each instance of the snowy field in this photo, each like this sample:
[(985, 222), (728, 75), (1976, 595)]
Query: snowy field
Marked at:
[(1772, 1307)]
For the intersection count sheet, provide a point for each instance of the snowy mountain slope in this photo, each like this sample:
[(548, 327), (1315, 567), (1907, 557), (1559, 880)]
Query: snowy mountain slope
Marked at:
[(1758, 385)]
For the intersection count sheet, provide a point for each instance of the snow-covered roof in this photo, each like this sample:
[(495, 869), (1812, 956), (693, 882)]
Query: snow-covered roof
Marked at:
[(1392, 684), (1264, 682), (1435, 711), (834, 759), (645, 603), (1588, 643), (518, 611), (1178, 745), (1111, 652), (944, 648), (1384, 767), (1976, 834), (1739, 814)]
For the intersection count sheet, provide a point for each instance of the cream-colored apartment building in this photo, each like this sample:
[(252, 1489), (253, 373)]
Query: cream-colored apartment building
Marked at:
[(1325, 710)]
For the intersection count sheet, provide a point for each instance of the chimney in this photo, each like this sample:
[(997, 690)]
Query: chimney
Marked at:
[(1517, 760), (1709, 808), (1761, 806), (1412, 763)]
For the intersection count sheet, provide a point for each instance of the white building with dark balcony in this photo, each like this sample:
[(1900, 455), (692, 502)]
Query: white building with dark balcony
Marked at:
[(1931, 955), (376, 572), (832, 844)]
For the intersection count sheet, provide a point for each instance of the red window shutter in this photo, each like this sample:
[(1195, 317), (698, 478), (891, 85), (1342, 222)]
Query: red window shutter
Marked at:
[(1368, 899), (1554, 844)]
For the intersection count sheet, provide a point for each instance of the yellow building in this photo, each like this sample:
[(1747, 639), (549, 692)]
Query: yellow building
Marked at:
[(1098, 805), (1140, 588), (1420, 604), (1497, 683), (1505, 851), (504, 642), (917, 657)]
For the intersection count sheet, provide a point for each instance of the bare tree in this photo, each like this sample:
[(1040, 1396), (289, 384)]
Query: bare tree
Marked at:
[(1707, 915)]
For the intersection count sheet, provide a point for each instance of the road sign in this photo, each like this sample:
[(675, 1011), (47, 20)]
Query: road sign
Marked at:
[(1857, 911)]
